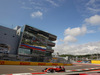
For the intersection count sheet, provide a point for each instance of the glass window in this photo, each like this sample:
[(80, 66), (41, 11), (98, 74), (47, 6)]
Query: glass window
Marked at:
[(48, 53), (49, 47), (24, 51)]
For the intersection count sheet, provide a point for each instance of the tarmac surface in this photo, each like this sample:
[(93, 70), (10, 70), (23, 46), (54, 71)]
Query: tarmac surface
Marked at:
[(9, 69)]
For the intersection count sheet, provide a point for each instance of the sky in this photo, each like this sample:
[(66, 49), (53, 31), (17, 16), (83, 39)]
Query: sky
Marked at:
[(76, 23)]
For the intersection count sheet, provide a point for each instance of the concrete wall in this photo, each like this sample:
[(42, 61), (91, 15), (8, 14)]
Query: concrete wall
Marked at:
[(10, 37)]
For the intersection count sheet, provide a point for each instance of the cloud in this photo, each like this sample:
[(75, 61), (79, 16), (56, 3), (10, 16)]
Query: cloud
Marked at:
[(89, 48), (71, 34), (93, 6), (75, 31), (91, 31), (40, 5), (37, 14), (90, 2), (69, 39), (52, 2), (93, 20), (92, 23), (93, 10), (88, 6)]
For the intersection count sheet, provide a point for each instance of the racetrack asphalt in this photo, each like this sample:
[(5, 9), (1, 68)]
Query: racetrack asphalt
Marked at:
[(9, 69)]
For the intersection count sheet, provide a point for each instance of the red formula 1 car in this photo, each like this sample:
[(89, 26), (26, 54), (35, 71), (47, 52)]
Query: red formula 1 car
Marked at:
[(55, 69)]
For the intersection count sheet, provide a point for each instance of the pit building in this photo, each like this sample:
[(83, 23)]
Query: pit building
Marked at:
[(26, 44)]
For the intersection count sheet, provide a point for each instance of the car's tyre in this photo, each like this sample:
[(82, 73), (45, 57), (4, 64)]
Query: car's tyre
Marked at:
[(63, 69), (42, 70), (51, 70)]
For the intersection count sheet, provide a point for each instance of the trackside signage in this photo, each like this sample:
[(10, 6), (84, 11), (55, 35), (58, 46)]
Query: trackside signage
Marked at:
[(54, 64), (2, 62), (24, 63), (41, 63)]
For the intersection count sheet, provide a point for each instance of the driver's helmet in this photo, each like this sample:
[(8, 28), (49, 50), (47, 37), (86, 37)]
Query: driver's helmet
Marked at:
[(59, 66), (62, 66)]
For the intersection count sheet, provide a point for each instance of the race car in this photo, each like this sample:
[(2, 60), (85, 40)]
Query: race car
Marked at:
[(54, 69)]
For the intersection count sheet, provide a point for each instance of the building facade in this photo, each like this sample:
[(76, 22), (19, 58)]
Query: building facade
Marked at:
[(28, 43), (9, 40)]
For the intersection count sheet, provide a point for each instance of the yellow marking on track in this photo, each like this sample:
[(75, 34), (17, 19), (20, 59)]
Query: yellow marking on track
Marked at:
[(31, 69)]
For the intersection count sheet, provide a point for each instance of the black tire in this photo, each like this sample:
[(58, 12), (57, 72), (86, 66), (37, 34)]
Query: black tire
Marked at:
[(64, 69), (51, 70), (42, 70)]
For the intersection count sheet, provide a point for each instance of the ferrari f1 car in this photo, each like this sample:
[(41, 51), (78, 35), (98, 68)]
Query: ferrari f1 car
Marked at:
[(54, 69)]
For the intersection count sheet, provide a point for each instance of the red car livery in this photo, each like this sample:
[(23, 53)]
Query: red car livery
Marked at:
[(55, 69)]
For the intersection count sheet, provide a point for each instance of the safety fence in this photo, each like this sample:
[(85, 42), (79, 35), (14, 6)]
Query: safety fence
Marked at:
[(2, 62)]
